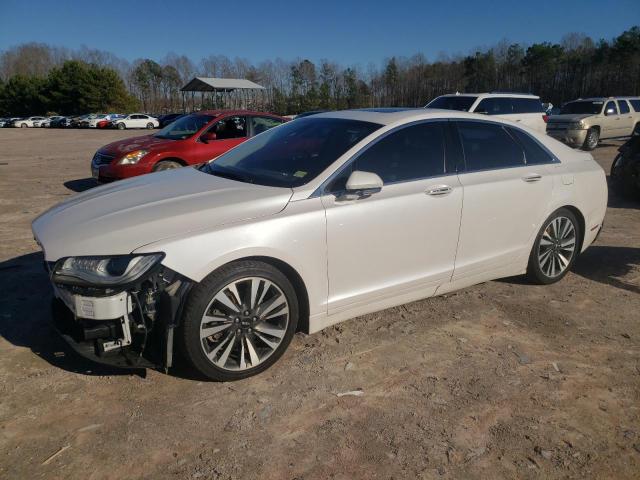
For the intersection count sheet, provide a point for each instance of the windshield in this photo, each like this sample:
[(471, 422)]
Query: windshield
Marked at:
[(184, 127), (592, 108), (461, 103), (292, 154)]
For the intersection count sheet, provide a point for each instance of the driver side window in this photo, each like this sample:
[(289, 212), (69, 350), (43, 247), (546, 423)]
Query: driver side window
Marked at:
[(230, 127)]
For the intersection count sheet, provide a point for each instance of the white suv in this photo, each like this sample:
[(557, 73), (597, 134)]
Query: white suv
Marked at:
[(137, 120), (28, 122), (517, 107)]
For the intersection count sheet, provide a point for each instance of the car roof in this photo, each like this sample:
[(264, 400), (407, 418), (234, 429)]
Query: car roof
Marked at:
[(388, 116), (492, 94), (216, 113)]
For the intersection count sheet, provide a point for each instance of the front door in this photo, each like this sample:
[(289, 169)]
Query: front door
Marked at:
[(401, 240), (229, 132)]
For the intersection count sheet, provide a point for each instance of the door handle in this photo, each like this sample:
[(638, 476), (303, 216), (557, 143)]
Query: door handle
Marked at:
[(534, 177), (439, 190)]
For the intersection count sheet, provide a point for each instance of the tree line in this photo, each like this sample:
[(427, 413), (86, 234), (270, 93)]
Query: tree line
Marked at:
[(38, 78)]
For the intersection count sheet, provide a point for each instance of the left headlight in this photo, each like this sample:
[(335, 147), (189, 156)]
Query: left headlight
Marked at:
[(132, 158), (112, 271)]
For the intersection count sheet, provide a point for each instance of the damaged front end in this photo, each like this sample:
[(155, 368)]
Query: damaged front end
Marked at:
[(119, 311)]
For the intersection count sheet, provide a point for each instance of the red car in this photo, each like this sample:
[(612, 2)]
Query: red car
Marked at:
[(190, 140)]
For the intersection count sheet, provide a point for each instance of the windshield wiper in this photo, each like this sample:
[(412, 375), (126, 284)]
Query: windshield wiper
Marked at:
[(231, 175)]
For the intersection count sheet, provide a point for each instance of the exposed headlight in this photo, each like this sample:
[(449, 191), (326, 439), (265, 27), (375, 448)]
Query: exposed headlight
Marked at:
[(104, 271), (576, 125), (132, 158)]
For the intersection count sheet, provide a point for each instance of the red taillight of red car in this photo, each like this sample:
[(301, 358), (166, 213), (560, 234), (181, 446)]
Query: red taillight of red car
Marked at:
[(545, 118)]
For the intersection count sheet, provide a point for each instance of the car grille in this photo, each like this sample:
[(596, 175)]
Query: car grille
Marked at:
[(557, 125), (102, 159)]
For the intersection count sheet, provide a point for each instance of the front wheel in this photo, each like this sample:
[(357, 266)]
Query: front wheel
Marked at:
[(121, 126), (591, 140), (555, 248), (166, 165), (239, 320), (23, 125)]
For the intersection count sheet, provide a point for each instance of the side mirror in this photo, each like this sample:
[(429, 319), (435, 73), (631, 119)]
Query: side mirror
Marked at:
[(610, 111), (208, 137), (362, 185)]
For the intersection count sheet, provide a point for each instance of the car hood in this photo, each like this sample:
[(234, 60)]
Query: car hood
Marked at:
[(123, 216), (146, 142), (568, 117)]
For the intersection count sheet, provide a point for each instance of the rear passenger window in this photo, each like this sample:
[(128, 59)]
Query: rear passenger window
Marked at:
[(409, 154), (534, 154), (635, 104), (488, 146), (624, 108), (495, 106), (527, 105)]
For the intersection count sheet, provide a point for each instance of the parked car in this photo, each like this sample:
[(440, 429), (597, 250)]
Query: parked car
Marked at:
[(92, 121), (10, 121), (625, 170), (517, 107), (61, 122), (27, 122), (3, 121), (165, 120), (308, 224), (190, 140), (584, 122), (79, 120), (46, 123), (137, 120)]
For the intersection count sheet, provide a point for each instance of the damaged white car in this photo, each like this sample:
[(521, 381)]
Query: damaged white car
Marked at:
[(309, 224)]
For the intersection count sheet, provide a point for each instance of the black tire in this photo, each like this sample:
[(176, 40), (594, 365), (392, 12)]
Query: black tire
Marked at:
[(591, 140), (166, 165), (201, 296), (535, 272), (121, 126), (149, 126), (23, 125), (624, 180)]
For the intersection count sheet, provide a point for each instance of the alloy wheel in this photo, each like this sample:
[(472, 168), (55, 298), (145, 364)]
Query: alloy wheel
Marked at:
[(557, 246), (592, 139), (244, 323)]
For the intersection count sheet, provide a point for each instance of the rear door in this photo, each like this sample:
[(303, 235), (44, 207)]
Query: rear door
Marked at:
[(529, 112), (610, 121), (626, 118), (505, 200), (262, 123)]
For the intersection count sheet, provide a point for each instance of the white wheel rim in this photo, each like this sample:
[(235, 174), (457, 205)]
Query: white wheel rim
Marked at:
[(244, 323)]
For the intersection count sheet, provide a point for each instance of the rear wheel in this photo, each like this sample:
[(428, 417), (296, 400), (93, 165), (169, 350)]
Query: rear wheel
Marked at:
[(591, 140), (149, 126), (121, 126), (555, 248), (239, 320), (166, 165)]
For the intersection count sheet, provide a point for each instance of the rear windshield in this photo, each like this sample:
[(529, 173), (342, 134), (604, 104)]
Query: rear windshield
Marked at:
[(461, 103), (291, 154), (184, 127), (527, 105), (590, 107)]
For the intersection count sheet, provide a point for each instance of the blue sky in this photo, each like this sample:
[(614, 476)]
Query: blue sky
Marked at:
[(350, 32)]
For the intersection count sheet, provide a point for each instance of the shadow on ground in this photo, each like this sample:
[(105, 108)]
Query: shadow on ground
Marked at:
[(25, 317), (608, 265), (81, 184)]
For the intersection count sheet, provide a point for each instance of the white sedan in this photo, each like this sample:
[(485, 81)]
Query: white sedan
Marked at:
[(28, 122), (308, 224), (137, 120)]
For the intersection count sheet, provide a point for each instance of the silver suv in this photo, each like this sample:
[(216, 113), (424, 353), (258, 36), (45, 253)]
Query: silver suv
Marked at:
[(584, 122)]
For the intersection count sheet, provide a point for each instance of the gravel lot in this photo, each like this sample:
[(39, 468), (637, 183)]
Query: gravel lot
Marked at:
[(501, 380)]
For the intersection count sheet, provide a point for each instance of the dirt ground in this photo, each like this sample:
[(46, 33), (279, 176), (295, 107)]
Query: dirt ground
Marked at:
[(501, 380)]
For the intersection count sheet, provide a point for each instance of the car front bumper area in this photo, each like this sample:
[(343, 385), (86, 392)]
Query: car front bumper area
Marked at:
[(111, 172), (130, 328), (573, 138)]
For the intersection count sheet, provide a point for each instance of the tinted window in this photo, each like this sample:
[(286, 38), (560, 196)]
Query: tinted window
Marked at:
[(611, 106), (231, 127), (624, 107), (262, 124), (488, 146), (495, 106), (292, 154), (527, 105), (635, 104), (461, 103), (410, 153), (533, 152), (588, 107)]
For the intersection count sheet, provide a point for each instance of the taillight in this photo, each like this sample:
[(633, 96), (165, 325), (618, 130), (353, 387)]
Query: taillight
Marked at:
[(545, 118)]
